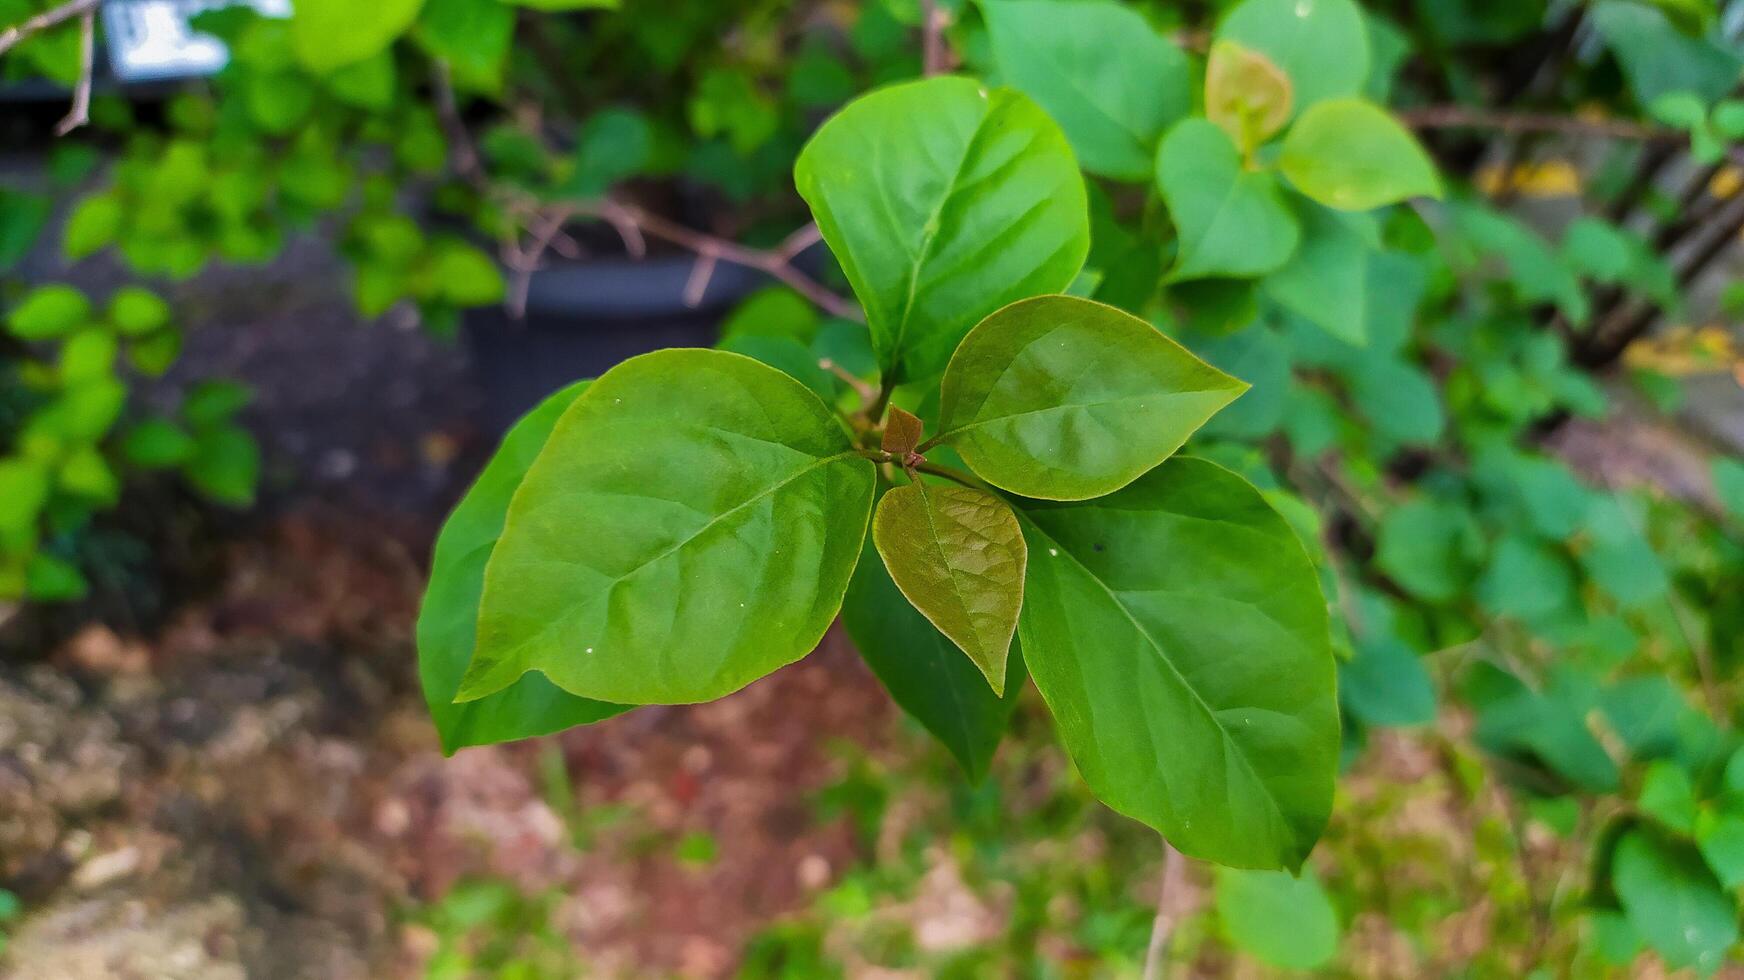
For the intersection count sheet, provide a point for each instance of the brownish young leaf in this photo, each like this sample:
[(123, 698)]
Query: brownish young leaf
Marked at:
[(959, 557), (902, 432)]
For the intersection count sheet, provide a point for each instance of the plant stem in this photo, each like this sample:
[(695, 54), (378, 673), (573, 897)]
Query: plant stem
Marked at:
[(886, 388), (1163, 926), (969, 480), (11, 36)]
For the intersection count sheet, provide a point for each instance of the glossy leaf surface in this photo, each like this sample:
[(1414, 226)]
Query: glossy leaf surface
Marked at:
[(690, 526), (943, 202), (1178, 632), (1064, 399), (448, 619)]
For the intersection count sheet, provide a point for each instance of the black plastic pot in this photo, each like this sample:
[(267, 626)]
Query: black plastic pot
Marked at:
[(584, 317)]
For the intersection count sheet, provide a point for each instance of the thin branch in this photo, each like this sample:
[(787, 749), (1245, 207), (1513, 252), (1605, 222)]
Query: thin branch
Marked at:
[(932, 28), (1468, 117), (461, 149), (1163, 926), (54, 17), (776, 262), (80, 114)]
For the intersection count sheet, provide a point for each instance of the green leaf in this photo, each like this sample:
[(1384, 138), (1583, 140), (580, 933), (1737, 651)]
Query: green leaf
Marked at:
[(944, 202), (1527, 579), (47, 312), (1064, 398), (472, 37), (1673, 901), (1351, 155), (24, 490), (136, 312), (464, 275), (22, 217), (615, 144), (215, 402), (1668, 796), (1322, 45), (1111, 81), (958, 555), (1278, 919), (51, 579), (566, 4), (1178, 633), (925, 673), (1232, 222), (1658, 59), (225, 466), (157, 444), (329, 34), (1386, 684), (366, 84), (92, 226), (690, 526), (1728, 477), (1427, 548), (1721, 840), (448, 619), (1326, 282), (1619, 557), (1246, 95)]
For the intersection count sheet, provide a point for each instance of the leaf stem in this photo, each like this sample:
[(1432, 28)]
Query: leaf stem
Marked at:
[(966, 479), (1163, 926)]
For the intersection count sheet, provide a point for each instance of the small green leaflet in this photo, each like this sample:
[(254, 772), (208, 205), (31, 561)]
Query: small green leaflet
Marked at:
[(1232, 221), (958, 555), (330, 34), (1351, 155), (1063, 398), (689, 527), (1100, 69), (1673, 900), (1196, 693), (1282, 920), (943, 202), (448, 619)]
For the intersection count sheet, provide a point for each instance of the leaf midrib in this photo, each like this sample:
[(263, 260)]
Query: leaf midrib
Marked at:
[(1205, 706), (539, 637), (931, 228)]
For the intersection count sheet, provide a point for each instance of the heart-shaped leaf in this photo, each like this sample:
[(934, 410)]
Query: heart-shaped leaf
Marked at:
[(1101, 69), (944, 201), (1064, 398), (958, 555), (448, 619), (690, 526), (925, 673), (1351, 155), (1178, 633), (1232, 222)]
